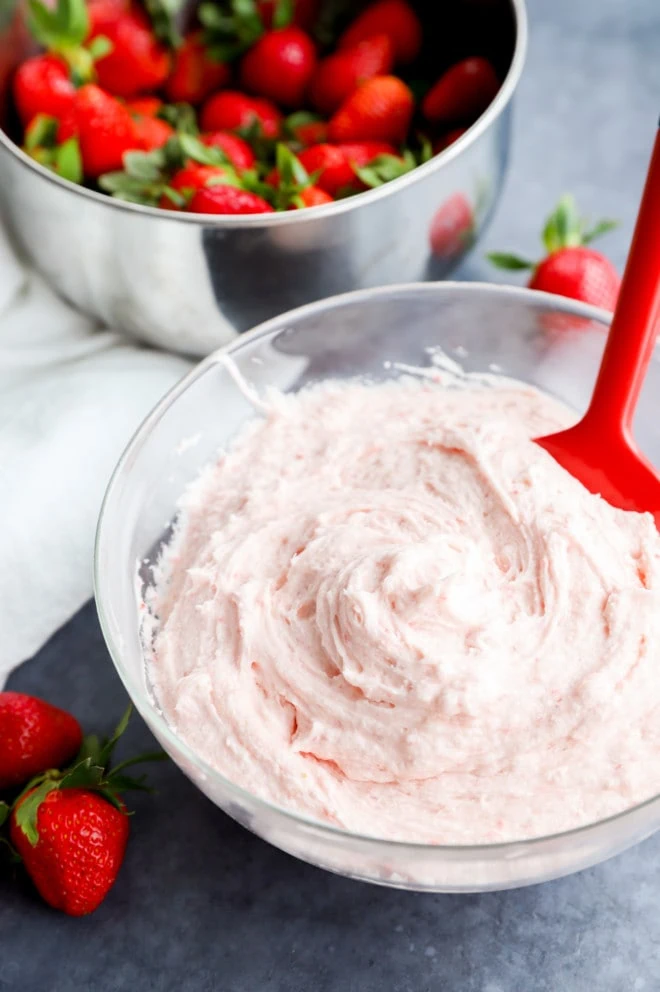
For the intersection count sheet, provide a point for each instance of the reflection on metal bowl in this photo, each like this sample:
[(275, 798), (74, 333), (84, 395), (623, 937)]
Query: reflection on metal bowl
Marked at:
[(190, 282)]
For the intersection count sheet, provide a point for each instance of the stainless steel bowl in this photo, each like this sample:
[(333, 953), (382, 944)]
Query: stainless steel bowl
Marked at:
[(190, 282)]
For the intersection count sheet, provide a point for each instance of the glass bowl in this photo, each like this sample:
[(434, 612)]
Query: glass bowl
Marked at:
[(546, 341)]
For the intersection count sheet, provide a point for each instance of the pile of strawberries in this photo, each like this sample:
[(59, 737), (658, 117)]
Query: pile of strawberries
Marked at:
[(263, 105), (61, 807)]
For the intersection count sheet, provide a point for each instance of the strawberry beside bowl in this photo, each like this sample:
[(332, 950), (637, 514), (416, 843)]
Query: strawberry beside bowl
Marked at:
[(191, 281)]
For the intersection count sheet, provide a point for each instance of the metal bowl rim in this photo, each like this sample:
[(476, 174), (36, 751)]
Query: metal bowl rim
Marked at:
[(310, 214)]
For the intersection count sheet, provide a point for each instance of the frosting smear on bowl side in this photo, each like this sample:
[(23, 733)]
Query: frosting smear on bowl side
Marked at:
[(387, 608)]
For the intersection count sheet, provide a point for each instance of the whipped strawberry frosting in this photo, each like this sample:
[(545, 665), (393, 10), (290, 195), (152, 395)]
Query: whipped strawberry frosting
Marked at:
[(386, 608)]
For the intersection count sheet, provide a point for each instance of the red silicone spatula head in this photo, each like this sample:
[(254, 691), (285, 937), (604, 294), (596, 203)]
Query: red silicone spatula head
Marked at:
[(599, 450)]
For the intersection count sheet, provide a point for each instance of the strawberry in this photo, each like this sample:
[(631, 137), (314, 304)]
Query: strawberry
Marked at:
[(340, 74), (137, 62), (452, 227), (275, 13), (380, 110), (145, 106), (34, 736), (70, 828), (230, 110), (187, 181), (330, 167), (570, 267), (227, 200), (462, 93), (311, 133), (194, 73), (334, 165), (448, 139), (80, 847), (42, 85), (396, 19), (104, 127), (280, 65), (311, 196), (151, 132), (236, 149)]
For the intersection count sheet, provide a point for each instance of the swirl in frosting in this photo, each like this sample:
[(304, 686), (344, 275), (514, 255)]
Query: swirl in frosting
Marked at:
[(387, 608)]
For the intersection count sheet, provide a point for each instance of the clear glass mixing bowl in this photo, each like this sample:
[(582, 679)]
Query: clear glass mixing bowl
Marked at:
[(551, 343)]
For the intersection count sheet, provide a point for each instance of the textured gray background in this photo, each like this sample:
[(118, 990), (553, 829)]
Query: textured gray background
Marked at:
[(201, 904)]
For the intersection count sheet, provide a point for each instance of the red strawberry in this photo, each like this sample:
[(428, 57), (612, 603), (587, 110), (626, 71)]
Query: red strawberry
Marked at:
[(338, 75), (71, 827), (311, 196), (380, 110), (334, 171), (138, 62), (188, 180), (580, 273), (313, 133), (570, 268), (194, 74), (42, 85), (104, 127), (230, 110), (462, 93), (145, 106), (396, 19), (151, 132), (452, 227), (81, 843), (361, 152), (34, 736), (335, 164), (280, 65), (236, 149), (304, 12), (228, 200), (448, 139)]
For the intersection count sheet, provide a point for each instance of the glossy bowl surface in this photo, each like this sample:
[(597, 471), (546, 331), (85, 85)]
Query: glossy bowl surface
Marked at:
[(375, 333), (190, 283)]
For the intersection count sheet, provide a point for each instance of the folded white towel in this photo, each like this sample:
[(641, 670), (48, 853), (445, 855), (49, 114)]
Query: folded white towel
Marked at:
[(71, 395)]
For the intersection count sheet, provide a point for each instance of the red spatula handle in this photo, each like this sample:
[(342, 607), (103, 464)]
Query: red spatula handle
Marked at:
[(634, 328)]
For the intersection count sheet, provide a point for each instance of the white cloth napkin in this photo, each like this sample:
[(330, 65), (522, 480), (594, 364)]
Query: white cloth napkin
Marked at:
[(71, 395)]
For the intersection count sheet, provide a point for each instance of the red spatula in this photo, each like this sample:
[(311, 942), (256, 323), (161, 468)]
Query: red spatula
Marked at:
[(600, 450)]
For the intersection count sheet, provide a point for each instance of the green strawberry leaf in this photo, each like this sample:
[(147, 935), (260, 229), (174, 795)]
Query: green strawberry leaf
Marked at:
[(385, 168), (126, 783), (65, 26), (68, 161), (299, 119), (99, 47), (175, 197), (602, 227), (292, 171), (563, 228), (180, 116), (26, 812), (4, 813), (228, 34), (136, 760), (41, 133), (333, 16), (195, 149), (84, 775), (109, 744), (283, 13), (164, 16), (504, 260), (90, 748), (425, 153), (147, 167)]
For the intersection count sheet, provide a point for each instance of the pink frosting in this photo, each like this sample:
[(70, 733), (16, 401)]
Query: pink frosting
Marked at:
[(386, 608)]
